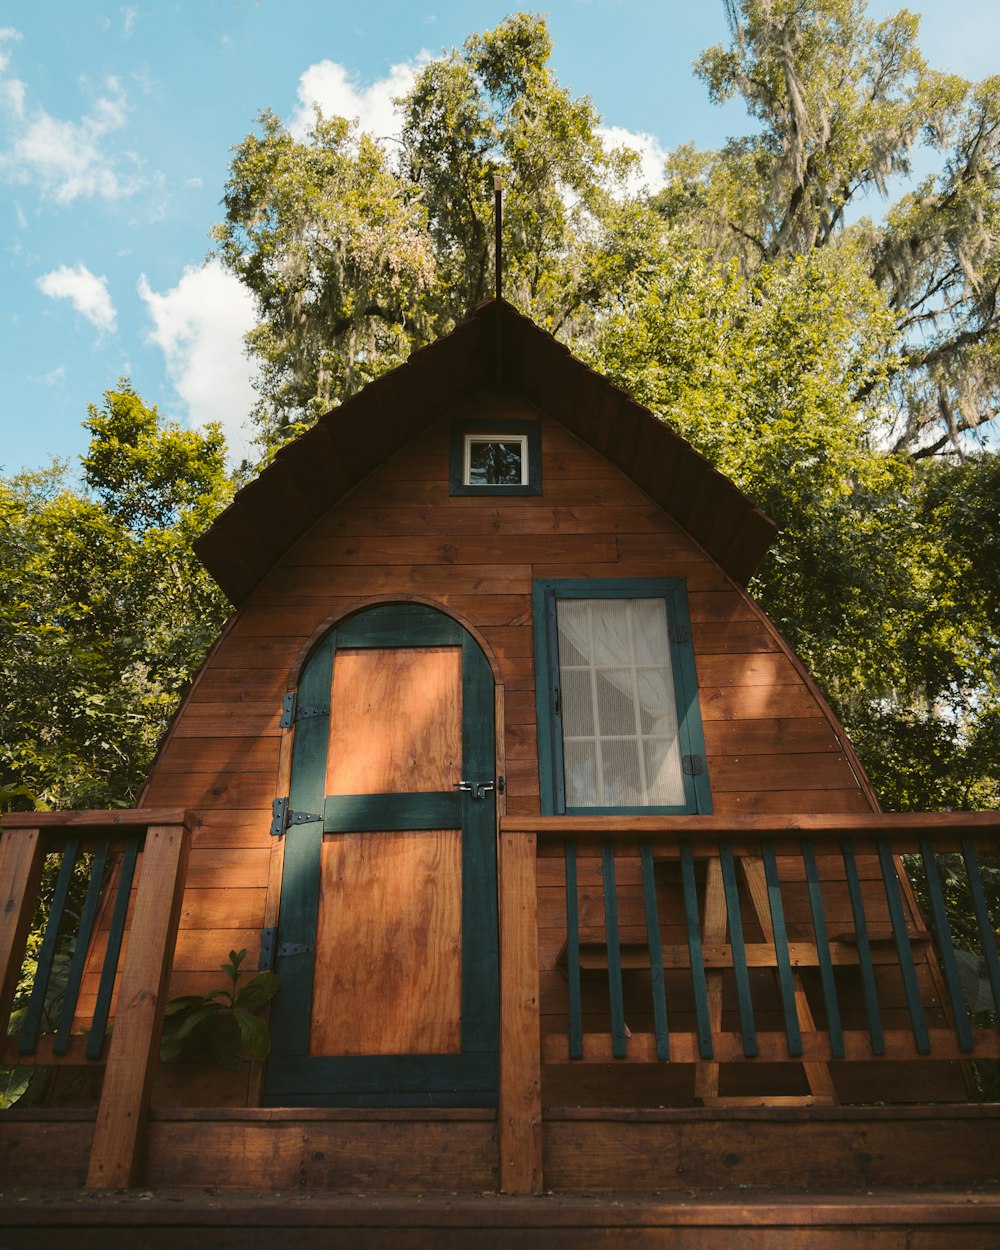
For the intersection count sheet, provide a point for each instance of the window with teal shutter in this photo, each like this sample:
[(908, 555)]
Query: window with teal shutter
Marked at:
[(617, 698)]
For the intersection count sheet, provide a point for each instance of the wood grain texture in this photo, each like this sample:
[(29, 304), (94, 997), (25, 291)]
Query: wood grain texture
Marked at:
[(20, 872), (520, 1112), (366, 1152), (389, 978), (139, 1014), (395, 721)]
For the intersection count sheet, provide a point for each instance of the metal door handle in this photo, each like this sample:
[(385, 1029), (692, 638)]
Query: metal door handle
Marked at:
[(478, 789)]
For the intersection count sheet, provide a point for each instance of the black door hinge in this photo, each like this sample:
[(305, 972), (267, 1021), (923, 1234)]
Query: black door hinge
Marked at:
[(266, 961), (293, 948), (282, 818), (692, 765), (291, 713), (680, 633)]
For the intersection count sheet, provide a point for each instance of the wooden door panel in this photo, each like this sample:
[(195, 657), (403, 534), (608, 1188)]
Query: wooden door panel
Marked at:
[(395, 721), (388, 976), (387, 941)]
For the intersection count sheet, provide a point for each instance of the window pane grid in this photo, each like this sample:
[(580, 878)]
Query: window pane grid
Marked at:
[(623, 749)]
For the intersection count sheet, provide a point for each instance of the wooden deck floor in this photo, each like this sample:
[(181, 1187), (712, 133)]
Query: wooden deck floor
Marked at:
[(681, 1220)]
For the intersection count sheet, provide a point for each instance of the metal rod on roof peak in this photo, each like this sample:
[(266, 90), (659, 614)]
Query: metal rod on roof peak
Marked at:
[(498, 263)]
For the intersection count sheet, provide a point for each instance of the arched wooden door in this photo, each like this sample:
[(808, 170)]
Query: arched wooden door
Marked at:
[(387, 938)]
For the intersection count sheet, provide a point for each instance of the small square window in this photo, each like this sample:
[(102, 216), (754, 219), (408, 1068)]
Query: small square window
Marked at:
[(495, 458)]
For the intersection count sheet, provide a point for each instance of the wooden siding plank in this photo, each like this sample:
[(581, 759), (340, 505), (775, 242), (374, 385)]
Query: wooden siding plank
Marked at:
[(498, 516), (775, 736), (208, 790), (806, 771), (220, 753), (225, 907), (286, 583), (202, 718), (233, 869), (732, 702), (721, 606), (755, 669), (419, 549)]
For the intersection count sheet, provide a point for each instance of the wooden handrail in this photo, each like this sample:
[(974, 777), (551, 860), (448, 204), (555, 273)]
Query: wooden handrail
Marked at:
[(877, 824), (145, 969), (745, 864), (115, 818)]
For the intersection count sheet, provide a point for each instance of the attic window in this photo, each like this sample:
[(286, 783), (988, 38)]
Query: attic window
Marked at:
[(495, 458)]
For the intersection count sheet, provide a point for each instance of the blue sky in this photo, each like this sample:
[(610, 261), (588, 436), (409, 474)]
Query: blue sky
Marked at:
[(116, 123)]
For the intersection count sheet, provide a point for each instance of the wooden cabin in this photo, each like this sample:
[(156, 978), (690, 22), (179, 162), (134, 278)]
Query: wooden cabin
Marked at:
[(571, 880)]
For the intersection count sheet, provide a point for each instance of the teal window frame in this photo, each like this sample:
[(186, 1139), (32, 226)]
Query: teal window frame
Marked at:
[(529, 430), (673, 592)]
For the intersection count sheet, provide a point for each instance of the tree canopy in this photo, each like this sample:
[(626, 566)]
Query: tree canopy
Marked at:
[(105, 612)]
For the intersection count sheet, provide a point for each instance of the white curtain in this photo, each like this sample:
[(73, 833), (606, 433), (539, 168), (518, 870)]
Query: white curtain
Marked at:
[(619, 710)]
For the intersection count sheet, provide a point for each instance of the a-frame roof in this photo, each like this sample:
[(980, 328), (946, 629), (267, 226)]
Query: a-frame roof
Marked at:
[(310, 474)]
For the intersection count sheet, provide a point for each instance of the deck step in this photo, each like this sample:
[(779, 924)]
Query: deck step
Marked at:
[(682, 1220)]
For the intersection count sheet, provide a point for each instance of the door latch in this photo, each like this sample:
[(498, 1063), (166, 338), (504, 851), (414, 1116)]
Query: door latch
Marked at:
[(478, 789)]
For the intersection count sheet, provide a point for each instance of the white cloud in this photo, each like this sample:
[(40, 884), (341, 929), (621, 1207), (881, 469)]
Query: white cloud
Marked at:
[(337, 92), (85, 291), (652, 154), (67, 159), (199, 326), (129, 14), (7, 35), (12, 90)]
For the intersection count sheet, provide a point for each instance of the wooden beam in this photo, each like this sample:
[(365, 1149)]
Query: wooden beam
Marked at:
[(884, 824), (773, 1048), (119, 818), (20, 871), (520, 1128), (133, 1053), (43, 1055)]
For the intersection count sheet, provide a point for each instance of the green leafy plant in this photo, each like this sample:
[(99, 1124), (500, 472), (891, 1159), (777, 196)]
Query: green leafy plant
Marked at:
[(228, 1019)]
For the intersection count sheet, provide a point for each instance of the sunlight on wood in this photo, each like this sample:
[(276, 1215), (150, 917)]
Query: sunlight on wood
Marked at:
[(395, 721), (390, 922)]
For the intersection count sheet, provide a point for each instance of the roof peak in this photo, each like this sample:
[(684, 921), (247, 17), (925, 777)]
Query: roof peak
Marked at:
[(312, 472)]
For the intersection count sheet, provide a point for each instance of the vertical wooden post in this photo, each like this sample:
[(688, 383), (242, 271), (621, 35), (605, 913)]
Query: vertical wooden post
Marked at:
[(714, 926), (520, 1130), (133, 1053), (20, 871)]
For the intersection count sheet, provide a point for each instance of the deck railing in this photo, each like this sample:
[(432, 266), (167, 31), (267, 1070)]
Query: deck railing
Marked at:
[(140, 914), (697, 907)]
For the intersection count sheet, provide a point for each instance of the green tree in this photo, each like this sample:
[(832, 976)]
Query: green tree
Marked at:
[(105, 613), (356, 258), (842, 102)]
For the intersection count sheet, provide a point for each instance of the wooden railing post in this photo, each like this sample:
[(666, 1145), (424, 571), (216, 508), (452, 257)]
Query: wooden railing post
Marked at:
[(20, 871), (133, 1054), (520, 1128)]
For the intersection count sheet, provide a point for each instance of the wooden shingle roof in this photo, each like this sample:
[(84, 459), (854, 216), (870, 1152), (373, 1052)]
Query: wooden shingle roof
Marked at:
[(310, 474)]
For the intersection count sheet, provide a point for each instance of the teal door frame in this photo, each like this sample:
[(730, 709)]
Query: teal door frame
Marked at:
[(293, 1077)]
